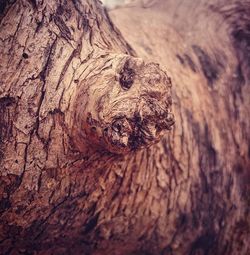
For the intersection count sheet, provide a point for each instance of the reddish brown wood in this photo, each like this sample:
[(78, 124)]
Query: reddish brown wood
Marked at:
[(63, 190)]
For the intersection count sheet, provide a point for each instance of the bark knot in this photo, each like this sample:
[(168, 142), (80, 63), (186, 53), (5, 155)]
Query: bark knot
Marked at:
[(113, 115)]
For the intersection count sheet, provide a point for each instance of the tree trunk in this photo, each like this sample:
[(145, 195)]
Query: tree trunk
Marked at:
[(87, 163)]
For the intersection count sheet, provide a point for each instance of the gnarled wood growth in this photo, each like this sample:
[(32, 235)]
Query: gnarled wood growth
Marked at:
[(122, 108), (72, 100), (80, 115)]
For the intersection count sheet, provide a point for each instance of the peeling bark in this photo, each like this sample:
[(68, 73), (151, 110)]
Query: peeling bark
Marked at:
[(87, 166)]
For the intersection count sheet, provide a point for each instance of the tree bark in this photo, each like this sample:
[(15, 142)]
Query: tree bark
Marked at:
[(82, 167), (205, 48)]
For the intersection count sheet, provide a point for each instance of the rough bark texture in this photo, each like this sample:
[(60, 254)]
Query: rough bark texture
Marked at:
[(72, 93)]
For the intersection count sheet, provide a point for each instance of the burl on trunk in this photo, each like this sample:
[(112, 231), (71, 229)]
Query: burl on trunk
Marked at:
[(88, 161)]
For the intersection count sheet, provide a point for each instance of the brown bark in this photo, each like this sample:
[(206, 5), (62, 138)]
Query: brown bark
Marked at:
[(80, 115), (205, 48)]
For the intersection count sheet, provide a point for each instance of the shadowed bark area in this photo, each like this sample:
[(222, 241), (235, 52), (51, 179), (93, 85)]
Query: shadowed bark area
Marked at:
[(87, 166)]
